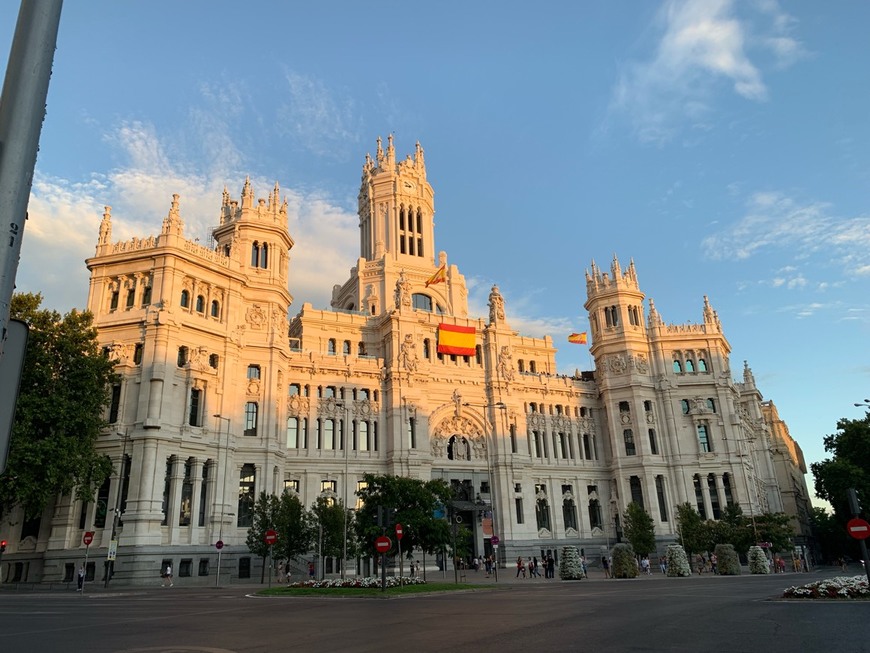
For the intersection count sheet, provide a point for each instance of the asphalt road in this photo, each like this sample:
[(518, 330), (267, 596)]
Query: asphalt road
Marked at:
[(706, 613)]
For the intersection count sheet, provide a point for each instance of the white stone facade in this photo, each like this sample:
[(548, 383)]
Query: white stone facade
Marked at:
[(223, 397)]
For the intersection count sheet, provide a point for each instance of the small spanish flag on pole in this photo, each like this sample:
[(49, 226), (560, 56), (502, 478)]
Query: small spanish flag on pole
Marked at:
[(439, 276), (578, 338)]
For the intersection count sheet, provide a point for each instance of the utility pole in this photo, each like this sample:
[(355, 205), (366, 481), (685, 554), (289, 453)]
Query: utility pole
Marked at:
[(22, 111), (116, 515)]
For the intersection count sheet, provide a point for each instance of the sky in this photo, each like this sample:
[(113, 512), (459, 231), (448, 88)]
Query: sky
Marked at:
[(723, 146)]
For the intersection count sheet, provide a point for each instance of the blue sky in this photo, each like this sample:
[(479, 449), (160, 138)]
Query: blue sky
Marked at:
[(721, 145)]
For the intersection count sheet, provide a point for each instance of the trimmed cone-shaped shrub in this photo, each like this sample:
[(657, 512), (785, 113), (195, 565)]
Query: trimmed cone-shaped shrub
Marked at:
[(758, 561), (624, 562), (678, 563), (727, 561), (570, 567)]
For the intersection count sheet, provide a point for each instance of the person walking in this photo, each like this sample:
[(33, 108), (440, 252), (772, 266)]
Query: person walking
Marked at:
[(551, 566), (81, 578), (167, 575), (605, 566), (583, 566), (521, 567), (644, 565)]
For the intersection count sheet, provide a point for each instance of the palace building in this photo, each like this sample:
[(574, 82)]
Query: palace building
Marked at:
[(223, 396)]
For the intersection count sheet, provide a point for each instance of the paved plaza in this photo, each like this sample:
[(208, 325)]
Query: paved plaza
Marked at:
[(655, 613)]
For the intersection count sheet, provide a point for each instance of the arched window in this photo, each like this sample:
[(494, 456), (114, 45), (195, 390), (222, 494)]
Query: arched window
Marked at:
[(264, 256), (255, 254), (247, 485), (427, 349), (421, 302), (532, 367), (704, 439), (690, 366), (569, 514), (330, 347), (702, 365), (213, 361), (677, 367), (251, 415), (182, 356), (146, 296), (628, 437), (595, 513), (521, 366), (345, 347), (292, 432), (711, 404), (653, 445), (185, 299), (542, 513), (363, 440), (684, 406), (200, 304), (215, 308), (587, 447)]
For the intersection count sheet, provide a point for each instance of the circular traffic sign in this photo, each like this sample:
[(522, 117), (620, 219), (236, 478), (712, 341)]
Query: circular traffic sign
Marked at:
[(383, 544), (219, 545), (494, 540), (399, 531), (858, 528), (270, 537), (88, 538)]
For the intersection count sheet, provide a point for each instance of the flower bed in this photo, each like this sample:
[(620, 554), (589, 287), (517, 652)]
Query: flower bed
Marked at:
[(839, 587), (364, 583)]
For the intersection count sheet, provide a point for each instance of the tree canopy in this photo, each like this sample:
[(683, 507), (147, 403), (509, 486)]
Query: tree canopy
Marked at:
[(415, 503), (64, 390), (848, 467), (639, 529)]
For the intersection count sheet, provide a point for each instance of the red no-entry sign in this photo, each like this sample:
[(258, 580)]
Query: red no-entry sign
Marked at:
[(858, 528), (88, 537), (399, 531), (383, 544), (270, 537)]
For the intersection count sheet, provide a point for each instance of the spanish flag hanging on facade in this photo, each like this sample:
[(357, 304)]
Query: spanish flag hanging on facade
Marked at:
[(440, 276), (457, 340), (578, 338)]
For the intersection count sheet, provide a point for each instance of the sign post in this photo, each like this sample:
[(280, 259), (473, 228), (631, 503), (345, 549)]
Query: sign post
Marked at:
[(399, 533), (382, 545), (270, 537), (87, 538)]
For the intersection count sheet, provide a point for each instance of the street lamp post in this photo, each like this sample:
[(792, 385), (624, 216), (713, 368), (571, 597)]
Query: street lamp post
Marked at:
[(346, 439), (116, 514), (220, 546)]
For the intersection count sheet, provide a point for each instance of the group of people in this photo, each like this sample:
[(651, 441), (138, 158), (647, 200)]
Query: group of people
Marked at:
[(710, 565), (547, 563)]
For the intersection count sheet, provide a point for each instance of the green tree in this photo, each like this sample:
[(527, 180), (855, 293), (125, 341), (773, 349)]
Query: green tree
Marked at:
[(328, 521), (849, 467), (776, 528), (830, 535), (294, 526), (639, 529), (63, 393), (415, 503), (694, 533), (265, 510)]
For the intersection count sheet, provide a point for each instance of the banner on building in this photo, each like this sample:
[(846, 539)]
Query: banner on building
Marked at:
[(456, 340)]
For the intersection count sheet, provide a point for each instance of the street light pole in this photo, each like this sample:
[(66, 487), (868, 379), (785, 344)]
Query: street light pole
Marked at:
[(115, 516), (217, 579), (346, 431)]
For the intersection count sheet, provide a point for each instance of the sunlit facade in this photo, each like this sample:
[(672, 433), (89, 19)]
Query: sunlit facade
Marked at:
[(222, 397)]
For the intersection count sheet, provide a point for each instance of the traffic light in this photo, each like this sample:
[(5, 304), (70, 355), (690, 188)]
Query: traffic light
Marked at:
[(2, 546)]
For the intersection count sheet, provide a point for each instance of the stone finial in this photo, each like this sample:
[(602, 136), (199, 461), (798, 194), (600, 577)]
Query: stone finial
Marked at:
[(173, 224), (106, 227)]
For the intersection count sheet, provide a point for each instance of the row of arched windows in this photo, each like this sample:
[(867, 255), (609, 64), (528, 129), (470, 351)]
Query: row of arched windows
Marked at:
[(259, 255), (631, 447), (557, 409), (565, 446), (410, 231), (332, 347), (689, 363), (199, 304)]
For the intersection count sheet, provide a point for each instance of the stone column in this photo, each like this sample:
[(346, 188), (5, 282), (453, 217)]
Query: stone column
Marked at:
[(705, 495), (720, 492), (173, 508), (141, 517), (196, 466)]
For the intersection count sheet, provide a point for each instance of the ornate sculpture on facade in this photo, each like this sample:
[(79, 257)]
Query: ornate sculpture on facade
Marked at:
[(496, 306), (403, 292), (256, 317), (506, 364), (408, 354), (106, 228)]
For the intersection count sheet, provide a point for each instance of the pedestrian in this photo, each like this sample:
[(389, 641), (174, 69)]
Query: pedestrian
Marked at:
[(551, 566), (521, 567), (605, 566), (701, 564), (644, 565), (583, 566), (533, 568), (311, 570), (167, 575), (287, 571), (842, 562), (663, 564), (81, 578), (714, 563)]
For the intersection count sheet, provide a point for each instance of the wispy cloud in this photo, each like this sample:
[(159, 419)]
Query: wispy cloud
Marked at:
[(775, 222), (316, 118), (702, 44)]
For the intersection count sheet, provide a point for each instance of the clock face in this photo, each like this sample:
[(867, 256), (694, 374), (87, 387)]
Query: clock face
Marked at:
[(409, 185)]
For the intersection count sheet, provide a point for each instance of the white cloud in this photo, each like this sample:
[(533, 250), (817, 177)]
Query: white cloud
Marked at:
[(774, 221), (702, 44)]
